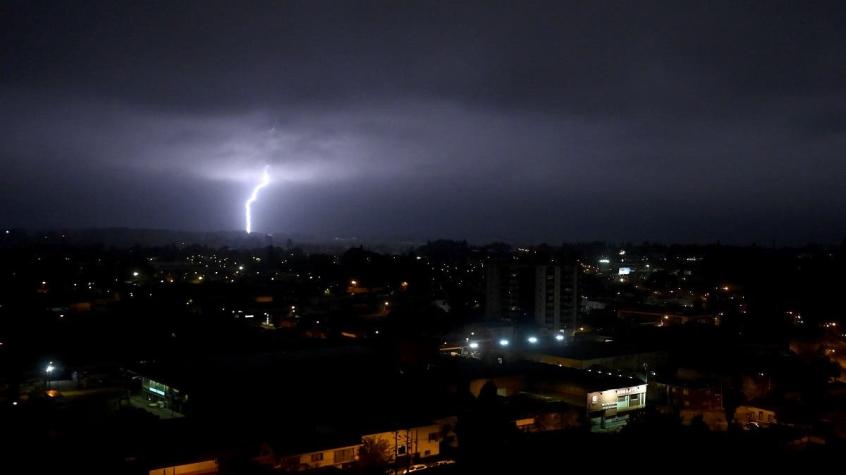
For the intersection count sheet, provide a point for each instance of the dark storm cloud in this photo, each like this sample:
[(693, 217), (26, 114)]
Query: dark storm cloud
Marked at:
[(524, 120)]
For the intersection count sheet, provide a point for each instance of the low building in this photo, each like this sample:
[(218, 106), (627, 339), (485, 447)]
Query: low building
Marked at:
[(605, 398), (415, 442), (597, 355), (760, 414), (662, 317), (203, 467), (691, 399), (310, 453)]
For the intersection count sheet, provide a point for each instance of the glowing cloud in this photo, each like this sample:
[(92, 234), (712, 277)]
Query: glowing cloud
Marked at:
[(265, 180)]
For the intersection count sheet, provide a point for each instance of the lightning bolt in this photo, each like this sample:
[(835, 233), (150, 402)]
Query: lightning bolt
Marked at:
[(265, 180)]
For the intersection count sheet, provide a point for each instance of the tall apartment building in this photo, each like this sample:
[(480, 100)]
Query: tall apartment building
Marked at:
[(544, 293)]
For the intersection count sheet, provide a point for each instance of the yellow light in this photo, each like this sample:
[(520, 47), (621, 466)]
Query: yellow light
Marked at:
[(353, 283)]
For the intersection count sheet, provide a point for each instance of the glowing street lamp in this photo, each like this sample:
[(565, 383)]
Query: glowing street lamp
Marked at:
[(559, 337), (474, 345), (532, 339), (503, 342)]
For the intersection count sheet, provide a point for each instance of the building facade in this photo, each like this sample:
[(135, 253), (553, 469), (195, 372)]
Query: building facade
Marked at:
[(544, 293)]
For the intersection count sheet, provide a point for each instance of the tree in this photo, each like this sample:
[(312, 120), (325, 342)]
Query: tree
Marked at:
[(374, 456)]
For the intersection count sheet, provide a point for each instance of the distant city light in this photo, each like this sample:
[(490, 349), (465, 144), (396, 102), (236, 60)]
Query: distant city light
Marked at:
[(503, 342), (532, 339), (474, 345), (50, 368), (135, 274), (604, 261), (559, 337)]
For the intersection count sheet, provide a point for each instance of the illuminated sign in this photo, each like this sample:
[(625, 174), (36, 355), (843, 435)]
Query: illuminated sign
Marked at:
[(157, 391), (625, 270)]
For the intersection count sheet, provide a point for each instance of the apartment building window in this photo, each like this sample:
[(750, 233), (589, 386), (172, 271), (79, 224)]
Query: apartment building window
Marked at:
[(345, 455)]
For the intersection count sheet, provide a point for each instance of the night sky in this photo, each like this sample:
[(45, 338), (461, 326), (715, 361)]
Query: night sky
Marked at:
[(561, 121)]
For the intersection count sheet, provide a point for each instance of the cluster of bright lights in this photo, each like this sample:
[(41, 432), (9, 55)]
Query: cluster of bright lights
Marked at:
[(265, 180), (504, 342)]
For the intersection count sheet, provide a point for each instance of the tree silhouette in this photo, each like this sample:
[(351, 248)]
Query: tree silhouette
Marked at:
[(374, 456)]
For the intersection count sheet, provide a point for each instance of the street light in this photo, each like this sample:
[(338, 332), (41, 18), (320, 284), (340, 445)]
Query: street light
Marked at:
[(532, 339), (47, 371), (559, 337), (474, 345), (503, 342)]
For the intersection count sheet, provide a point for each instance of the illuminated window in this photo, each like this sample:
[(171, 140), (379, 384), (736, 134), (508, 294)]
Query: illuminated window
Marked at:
[(433, 436), (317, 457)]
